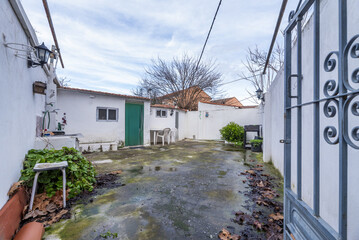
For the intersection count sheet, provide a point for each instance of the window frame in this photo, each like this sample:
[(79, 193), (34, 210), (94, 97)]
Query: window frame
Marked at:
[(107, 114), (161, 113)]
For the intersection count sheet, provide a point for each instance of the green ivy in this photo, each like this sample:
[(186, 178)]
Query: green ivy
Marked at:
[(80, 173), (232, 132)]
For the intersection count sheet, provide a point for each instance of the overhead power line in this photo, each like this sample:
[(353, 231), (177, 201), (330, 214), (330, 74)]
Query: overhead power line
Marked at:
[(209, 33), (240, 79)]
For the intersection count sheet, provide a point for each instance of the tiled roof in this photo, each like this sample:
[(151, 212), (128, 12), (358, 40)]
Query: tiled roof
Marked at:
[(229, 101), (167, 106), (221, 104), (228, 105), (105, 93)]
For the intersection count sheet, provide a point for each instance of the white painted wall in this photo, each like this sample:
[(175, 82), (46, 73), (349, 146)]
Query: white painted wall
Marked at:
[(208, 107), (19, 106), (195, 124), (81, 109), (329, 160), (202, 127)]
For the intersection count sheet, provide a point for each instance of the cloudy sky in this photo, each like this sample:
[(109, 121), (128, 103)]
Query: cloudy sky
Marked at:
[(106, 44)]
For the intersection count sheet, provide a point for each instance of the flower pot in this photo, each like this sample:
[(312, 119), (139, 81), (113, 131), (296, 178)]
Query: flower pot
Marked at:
[(256, 147)]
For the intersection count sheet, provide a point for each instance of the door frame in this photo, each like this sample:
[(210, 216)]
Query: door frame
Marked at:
[(141, 128)]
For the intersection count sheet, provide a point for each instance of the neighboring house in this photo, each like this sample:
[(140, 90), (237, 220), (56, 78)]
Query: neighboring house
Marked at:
[(185, 99), (22, 110), (103, 117), (233, 101)]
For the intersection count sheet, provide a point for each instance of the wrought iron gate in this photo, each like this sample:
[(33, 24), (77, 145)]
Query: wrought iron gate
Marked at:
[(335, 99)]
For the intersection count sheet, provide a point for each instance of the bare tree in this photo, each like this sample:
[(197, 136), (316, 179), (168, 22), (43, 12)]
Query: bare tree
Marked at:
[(254, 65), (181, 80), (64, 82)]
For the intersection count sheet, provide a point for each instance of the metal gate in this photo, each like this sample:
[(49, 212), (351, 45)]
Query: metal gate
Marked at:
[(333, 99)]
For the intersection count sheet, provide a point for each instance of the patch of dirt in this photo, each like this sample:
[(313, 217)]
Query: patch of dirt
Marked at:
[(264, 219)]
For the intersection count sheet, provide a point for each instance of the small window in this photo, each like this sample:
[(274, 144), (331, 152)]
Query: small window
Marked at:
[(112, 113), (107, 114), (102, 114), (161, 113)]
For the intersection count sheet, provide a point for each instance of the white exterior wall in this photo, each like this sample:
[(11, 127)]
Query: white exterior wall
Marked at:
[(208, 107), (329, 154), (81, 115), (18, 104), (273, 123), (202, 127)]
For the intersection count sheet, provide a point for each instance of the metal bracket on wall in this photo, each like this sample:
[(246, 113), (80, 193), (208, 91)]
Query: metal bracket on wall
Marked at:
[(285, 141)]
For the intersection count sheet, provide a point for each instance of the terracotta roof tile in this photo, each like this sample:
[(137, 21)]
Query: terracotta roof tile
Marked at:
[(105, 93)]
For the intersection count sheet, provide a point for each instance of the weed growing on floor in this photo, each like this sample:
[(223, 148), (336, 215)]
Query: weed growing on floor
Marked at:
[(109, 234)]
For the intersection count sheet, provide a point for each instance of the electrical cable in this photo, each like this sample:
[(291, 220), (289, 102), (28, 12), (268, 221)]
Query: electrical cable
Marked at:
[(240, 79), (209, 32)]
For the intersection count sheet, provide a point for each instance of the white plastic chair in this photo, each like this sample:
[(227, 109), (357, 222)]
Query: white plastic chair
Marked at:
[(165, 134)]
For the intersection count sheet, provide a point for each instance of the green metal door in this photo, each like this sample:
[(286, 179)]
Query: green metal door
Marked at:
[(134, 124)]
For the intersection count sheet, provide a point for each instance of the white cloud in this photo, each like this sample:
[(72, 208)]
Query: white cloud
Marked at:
[(106, 44)]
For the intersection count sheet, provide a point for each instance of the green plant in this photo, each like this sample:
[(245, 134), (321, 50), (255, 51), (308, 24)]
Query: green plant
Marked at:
[(109, 234), (256, 142), (232, 132), (80, 173)]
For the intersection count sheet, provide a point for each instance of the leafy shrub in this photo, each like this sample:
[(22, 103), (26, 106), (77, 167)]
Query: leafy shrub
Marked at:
[(80, 173), (256, 142), (232, 132)]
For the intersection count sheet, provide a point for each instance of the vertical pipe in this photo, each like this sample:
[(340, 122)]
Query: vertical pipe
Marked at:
[(299, 110), (287, 123), (343, 147), (316, 116)]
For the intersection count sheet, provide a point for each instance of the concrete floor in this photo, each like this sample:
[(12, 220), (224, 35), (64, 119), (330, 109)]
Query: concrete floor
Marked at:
[(187, 190)]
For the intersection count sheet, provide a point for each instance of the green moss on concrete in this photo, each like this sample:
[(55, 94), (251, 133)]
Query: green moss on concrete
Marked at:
[(105, 198), (140, 179), (224, 194), (70, 229)]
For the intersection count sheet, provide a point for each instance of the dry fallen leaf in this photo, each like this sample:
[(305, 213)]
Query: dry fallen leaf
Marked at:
[(276, 216), (51, 207), (226, 235), (116, 172), (260, 184), (56, 217), (251, 172), (14, 188), (261, 202), (257, 225), (34, 214)]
